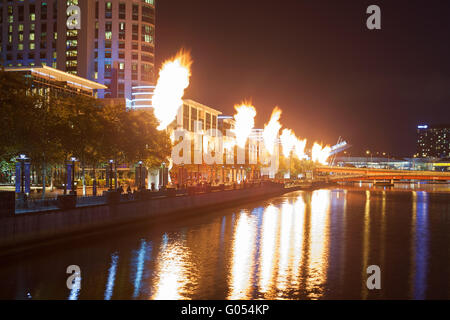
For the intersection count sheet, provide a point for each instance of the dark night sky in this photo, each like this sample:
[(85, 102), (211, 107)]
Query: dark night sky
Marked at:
[(319, 63)]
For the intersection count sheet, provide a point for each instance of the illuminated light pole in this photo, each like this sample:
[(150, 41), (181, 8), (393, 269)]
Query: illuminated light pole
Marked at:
[(72, 191), (163, 177), (22, 159), (232, 174), (367, 158), (141, 176), (110, 182)]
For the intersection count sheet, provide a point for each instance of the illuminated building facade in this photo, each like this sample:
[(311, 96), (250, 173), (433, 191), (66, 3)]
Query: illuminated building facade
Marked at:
[(114, 45), (192, 111), (433, 141)]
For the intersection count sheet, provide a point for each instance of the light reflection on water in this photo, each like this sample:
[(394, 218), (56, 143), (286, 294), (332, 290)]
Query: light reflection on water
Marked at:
[(305, 245)]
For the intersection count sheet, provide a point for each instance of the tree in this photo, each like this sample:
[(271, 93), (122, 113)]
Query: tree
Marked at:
[(15, 106), (52, 127), (28, 123)]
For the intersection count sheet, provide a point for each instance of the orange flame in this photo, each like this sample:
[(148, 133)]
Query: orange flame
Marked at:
[(320, 154), (300, 146), (271, 131), (288, 141), (245, 122), (173, 81)]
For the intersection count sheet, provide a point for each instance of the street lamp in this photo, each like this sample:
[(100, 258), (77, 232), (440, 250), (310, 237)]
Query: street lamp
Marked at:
[(72, 190), (22, 158), (368, 152), (163, 174), (140, 176), (111, 162), (223, 174)]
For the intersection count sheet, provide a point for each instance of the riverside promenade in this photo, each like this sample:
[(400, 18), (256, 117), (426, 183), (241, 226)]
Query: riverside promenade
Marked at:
[(27, 230)]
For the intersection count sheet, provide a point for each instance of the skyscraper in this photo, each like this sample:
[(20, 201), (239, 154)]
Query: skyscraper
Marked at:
[(114, 45), (433, 141)]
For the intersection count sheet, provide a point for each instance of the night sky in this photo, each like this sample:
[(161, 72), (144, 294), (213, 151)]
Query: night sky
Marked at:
[(319, 63)]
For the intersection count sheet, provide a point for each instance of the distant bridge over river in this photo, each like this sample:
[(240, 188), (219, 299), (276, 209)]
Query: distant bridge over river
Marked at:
[(368, 174)]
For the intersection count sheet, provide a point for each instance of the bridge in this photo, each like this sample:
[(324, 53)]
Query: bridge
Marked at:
[(369, 174)]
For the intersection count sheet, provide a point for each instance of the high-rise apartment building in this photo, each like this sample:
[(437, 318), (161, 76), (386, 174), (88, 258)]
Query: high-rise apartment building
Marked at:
[(114, 46), (433, 141)]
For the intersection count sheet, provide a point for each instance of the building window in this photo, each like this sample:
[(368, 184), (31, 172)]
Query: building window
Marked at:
[(108, 69), (147, 34), (121, 70), (122, 10), (122, 31), (193, 118), (108, 30), (135, 12), (135, 32), (44, 8), (96, 29), (134, 71), (186, 117), (147, 48), (148, 14), (21, 13), (146, 72), (108, 10), (146, 58)]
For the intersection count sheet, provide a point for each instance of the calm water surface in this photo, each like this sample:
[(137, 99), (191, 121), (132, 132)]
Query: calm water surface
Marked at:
[(304, 245)]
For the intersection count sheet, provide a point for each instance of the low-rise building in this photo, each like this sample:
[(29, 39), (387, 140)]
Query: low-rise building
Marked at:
[(50, 81)]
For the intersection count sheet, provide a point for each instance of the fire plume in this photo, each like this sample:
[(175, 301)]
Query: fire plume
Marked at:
[(245, 122), (288, 141), (320, 154), (271, 131), (299, 149), (173, 81)]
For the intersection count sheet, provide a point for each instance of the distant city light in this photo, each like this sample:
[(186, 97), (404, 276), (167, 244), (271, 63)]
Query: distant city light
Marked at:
[(423, 127)]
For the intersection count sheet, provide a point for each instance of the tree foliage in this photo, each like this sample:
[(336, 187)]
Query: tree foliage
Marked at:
[(51, 129)]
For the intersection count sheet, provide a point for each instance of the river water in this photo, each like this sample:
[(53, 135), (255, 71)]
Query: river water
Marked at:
[(303, 245)]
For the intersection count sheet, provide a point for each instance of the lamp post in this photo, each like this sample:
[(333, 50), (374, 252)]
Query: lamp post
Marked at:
[(163, 174), (72, 190), (111, 162), (367, 158), (223, 174), (140, 176), (22, 158)]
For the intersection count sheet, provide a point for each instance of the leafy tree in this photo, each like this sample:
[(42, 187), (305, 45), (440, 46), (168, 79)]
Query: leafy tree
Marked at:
[(52, 128)]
